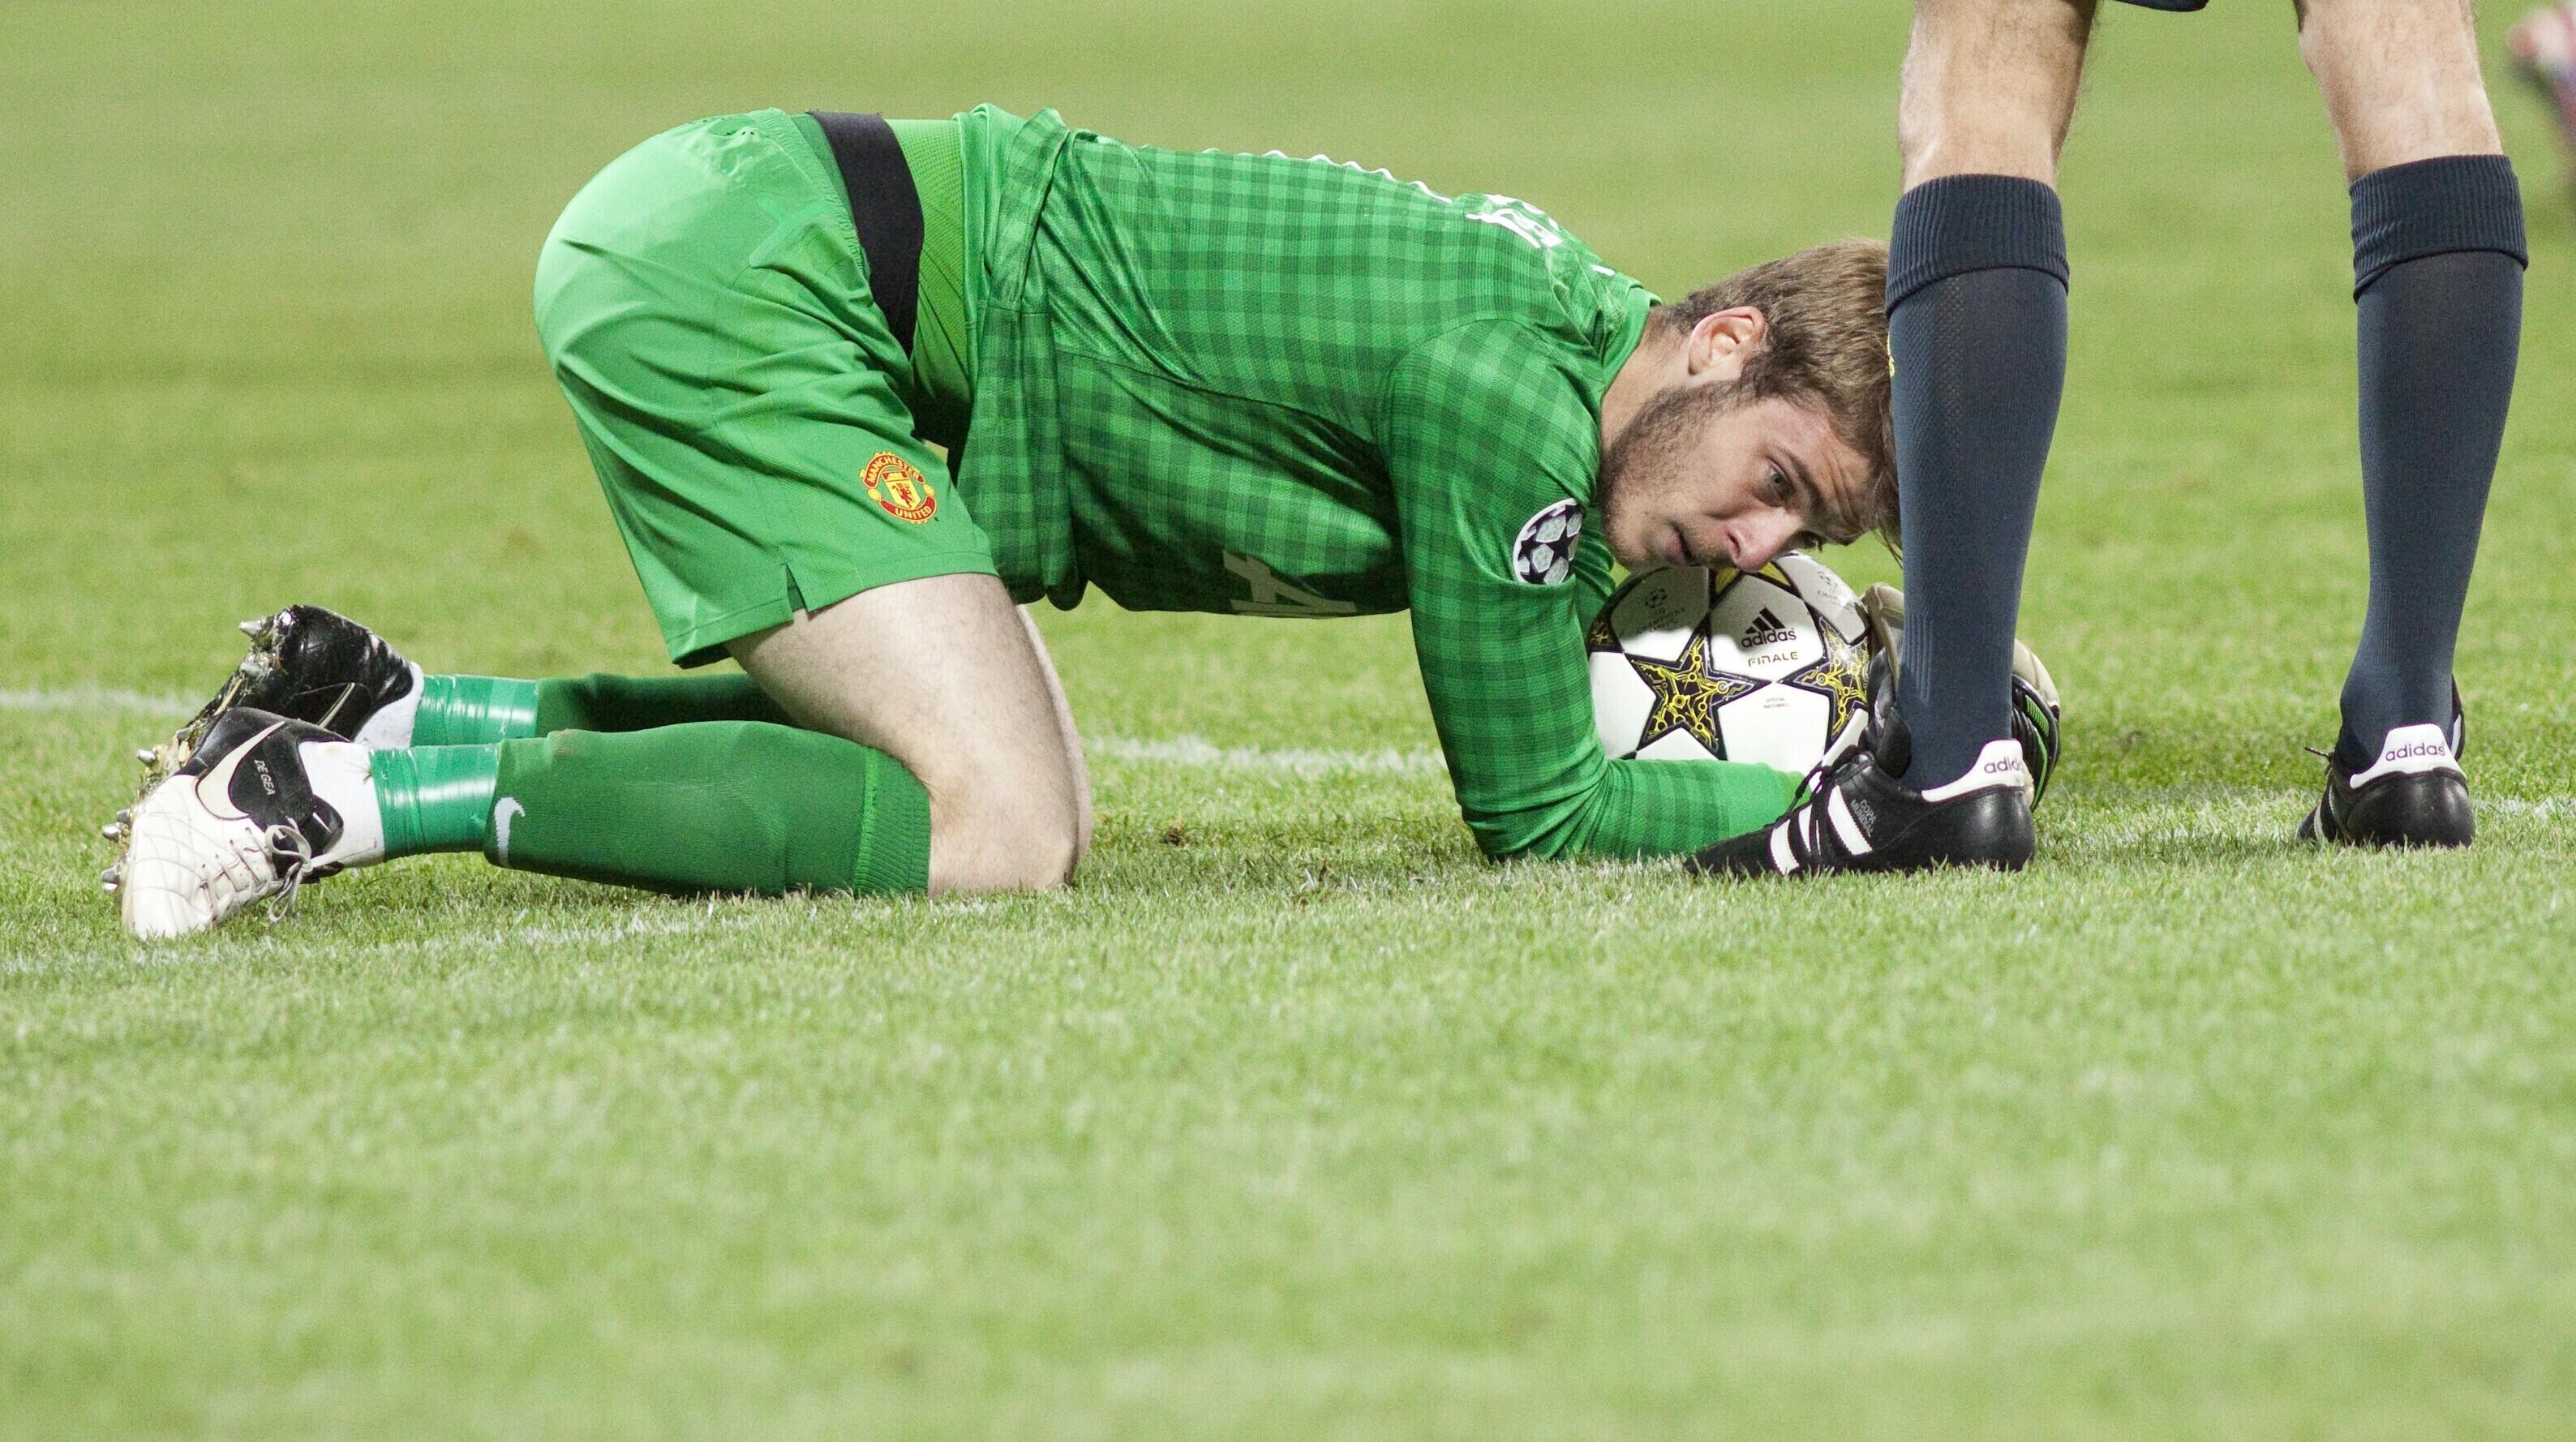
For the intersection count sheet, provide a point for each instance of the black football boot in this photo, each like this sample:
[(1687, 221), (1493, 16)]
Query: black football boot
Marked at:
[(2412, 794), (2034, 704), (305, 664), (1856, 815), (2035, 722)]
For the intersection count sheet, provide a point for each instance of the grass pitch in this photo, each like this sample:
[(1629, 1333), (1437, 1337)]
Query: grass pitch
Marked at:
[(1294, 1119)]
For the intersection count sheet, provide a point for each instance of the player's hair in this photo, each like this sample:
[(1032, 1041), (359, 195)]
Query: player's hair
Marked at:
[(1827, 312)]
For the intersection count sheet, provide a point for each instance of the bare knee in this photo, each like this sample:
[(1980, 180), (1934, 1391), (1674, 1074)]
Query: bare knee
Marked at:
[(1000, 831), (1989, 87), (1004, 817), (1082, 822), (2400, 78), (945, 675)]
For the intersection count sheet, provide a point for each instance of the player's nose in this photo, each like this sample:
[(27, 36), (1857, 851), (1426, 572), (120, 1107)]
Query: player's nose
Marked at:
[(1756, 540)]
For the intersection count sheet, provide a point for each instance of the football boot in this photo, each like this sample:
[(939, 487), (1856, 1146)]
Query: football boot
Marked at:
[(242, 820), (2035, 707), (1857, 814), (2412, 794), (310, 665)]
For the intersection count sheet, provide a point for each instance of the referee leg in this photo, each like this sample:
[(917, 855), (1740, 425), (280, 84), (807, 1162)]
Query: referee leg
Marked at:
[(2438, 253), (1976, 297)]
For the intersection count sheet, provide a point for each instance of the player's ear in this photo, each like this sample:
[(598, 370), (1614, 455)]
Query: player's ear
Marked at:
[(1722, 341)]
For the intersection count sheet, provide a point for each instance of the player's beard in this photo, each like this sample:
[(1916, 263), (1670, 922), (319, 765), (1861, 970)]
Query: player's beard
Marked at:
[(1652, 457)]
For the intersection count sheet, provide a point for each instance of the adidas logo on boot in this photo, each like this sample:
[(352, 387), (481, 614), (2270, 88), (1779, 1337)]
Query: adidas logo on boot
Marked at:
[(2413, 794)]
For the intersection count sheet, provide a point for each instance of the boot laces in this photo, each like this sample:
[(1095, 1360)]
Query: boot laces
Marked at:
[(292, 853)]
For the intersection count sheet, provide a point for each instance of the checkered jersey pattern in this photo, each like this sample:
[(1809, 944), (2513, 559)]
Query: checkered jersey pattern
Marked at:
[(1285, 387)]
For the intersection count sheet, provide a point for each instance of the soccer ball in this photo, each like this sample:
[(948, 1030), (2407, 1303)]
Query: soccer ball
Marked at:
[(1695, 664)]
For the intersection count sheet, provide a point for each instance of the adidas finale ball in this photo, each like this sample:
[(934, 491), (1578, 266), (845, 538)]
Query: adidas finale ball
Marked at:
[(1715, 664)]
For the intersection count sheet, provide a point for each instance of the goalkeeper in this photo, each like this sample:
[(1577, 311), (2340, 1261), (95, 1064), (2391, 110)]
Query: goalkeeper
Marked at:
[(856, 390)]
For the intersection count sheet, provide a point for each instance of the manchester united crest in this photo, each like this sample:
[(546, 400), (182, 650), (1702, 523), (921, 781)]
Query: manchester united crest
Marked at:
[(897, 485)]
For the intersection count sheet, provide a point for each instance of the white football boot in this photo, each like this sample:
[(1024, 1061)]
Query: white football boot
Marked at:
[(263, 805)]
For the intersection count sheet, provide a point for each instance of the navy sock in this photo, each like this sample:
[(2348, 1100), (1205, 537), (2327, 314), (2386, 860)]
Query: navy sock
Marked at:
[(1976, 332), (2437, 255)]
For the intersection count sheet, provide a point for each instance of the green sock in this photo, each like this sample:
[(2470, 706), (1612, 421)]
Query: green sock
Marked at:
[(638, 703), (435, 798), (474, 710), (479, 710), (711, 806)]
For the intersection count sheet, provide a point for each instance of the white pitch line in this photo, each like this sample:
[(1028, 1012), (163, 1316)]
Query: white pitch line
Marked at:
[(1195, 751), (89, 698), (2542, 808), (1296, 760), (1185, 750)]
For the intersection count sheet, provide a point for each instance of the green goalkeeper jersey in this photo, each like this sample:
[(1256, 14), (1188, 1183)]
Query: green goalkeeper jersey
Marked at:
[(1293, 387)]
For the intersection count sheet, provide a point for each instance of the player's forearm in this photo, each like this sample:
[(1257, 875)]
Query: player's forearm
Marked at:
[(1512, 697), (1634, 809)]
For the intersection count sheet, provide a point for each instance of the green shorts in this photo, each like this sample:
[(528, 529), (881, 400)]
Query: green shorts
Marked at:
[(705, 304)]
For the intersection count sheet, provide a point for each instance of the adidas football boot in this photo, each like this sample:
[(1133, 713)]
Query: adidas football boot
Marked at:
[(2412, 794), (1856, 815), (2035, 708), (242, 820), (310, 665)]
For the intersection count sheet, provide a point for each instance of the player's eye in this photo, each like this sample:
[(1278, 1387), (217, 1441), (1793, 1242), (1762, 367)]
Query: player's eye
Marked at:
[(1782, 493)]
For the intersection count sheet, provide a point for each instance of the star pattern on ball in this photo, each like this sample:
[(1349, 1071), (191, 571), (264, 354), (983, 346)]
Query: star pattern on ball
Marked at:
[(1842, 677), (1687, 695), (1601, 635)]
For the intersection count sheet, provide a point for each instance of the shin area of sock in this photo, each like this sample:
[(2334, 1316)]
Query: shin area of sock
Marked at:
[(1977, 342), (2438, 257), (712, 806)]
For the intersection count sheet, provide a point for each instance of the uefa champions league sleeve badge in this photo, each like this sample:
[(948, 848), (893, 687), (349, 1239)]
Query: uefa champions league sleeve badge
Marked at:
[(1543, 553)]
